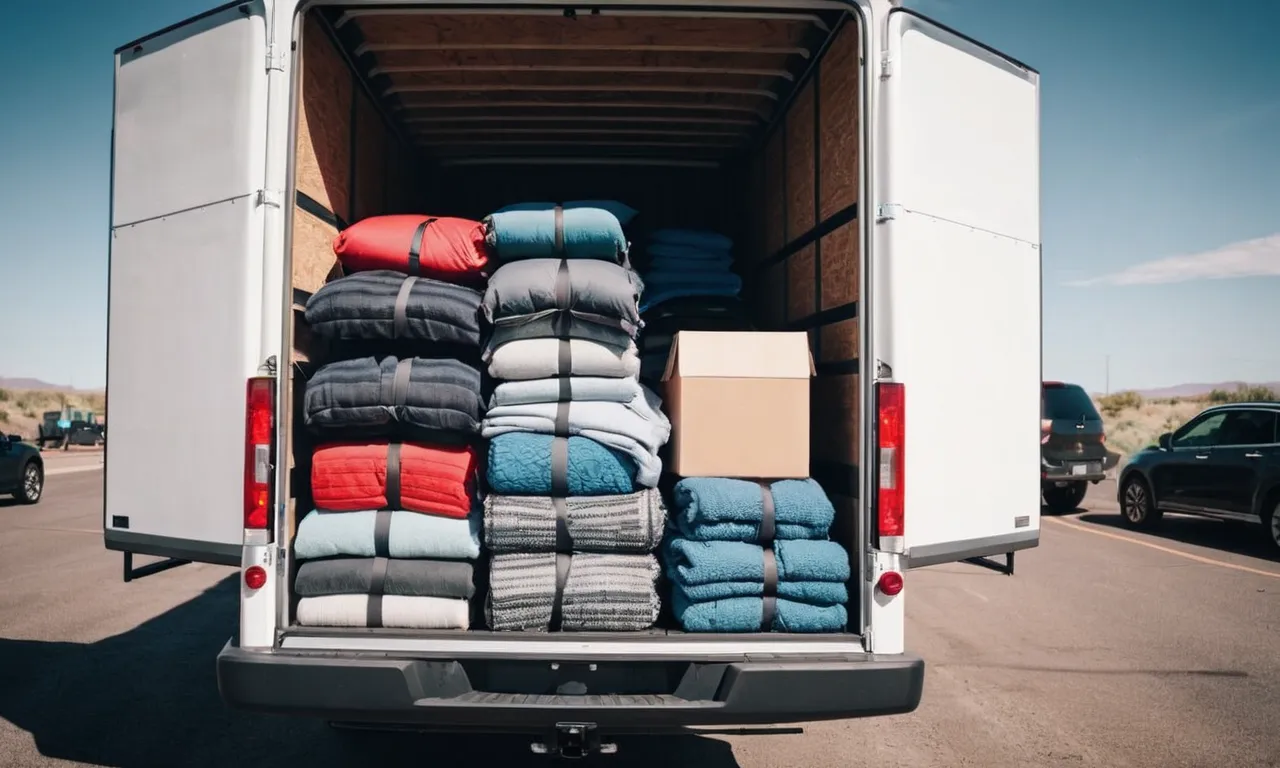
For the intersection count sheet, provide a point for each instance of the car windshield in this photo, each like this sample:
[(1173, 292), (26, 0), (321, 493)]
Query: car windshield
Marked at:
[(1067, 401)]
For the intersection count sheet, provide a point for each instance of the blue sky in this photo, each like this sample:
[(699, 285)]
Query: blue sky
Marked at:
[(1161, 182)]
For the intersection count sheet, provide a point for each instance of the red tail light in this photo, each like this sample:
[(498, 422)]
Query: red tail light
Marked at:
[(259, 425), (1046, 425), (891, 415)]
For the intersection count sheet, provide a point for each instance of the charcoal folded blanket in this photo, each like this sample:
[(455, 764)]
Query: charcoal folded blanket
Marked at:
[(539, 359), (412, 578), (813, 572), (587, 233), (364, 395), (520, 464), (581, 388), (602, 592), (727, 509), (631, 522), (398, 612), (633, 428), (598, 291), (746, 614), (413, 535), (363, 306)]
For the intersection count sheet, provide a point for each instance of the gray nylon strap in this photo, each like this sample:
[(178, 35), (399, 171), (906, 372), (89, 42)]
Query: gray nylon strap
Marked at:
[(562, 418), (400, 318), (565, 391), (769, 610), (400, 383), (382, 533), (559, 242), (415, 246), (393, 475), (564, 352), (768, 520), (564, 541), (559, 467), (563, 563), (377, 587)]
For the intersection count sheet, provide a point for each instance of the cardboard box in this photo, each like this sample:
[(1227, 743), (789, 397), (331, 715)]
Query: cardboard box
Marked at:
[(739, 404)]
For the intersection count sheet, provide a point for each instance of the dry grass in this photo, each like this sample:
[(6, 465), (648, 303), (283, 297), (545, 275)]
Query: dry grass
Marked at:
[(21, 409), (1133, 423)]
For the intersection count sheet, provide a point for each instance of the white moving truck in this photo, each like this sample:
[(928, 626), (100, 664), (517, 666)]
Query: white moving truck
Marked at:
[(879, 173)]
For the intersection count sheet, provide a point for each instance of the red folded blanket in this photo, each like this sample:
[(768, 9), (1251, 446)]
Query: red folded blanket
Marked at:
[(439, 247), (435, 479)]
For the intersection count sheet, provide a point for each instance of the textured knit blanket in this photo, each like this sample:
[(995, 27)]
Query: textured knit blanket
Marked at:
[(726, 509), (520, 464), (397, 611), (745, 614), (586, 233), (598, 592), (540, 358), (410, 397), (580, 389), (413, 534), (358, 575), (629, 522), (596, 291), (377, 306), (807, 571)]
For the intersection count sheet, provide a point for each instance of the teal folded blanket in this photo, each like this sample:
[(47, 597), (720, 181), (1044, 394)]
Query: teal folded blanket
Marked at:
[(700, 262), (589, 233), (710, 570), (520, 465), (692, 238), (744, 614), (412, 535), (724, 509)]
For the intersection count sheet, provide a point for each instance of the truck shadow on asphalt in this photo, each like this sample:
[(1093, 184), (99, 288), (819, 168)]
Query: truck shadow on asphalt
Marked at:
[(1234, 538), (149, 697)]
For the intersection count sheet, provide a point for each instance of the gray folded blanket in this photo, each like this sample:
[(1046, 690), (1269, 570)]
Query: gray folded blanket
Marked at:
[(385, 305), (582, 592), (630, 522), (594, 291), (385, 576)]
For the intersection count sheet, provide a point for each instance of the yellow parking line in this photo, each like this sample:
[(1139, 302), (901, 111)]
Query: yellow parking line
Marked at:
[(1169, 550)]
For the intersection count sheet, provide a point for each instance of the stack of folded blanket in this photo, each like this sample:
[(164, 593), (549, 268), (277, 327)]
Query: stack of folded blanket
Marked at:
[(572, 515), (396, 415), (688, 262), (743, 556)]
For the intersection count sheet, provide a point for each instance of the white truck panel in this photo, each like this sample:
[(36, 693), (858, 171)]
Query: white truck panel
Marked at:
[(962, 227)]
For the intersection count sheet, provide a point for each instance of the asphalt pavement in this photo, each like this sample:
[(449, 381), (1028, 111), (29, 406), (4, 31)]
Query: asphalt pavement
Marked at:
[(1106, 648)]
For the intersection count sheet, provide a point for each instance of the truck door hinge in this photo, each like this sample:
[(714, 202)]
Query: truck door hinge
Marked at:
[(886, 65), (888, 211), (275, 59), (271, 197)]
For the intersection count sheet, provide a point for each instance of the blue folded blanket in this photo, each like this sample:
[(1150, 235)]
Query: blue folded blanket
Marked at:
[(589, 233), (725, 509), (653, 297), (697, 564), (744, 614), (659, 280), (412, 535), (697, 238), (624, 212), (720, 262), (520, 465)]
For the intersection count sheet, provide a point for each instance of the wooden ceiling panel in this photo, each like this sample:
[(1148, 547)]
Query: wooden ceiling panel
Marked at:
[(586, 61)]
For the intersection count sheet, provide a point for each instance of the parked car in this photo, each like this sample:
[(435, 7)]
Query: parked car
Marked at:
[(21, 469), (1224, 463), (1073, 449)]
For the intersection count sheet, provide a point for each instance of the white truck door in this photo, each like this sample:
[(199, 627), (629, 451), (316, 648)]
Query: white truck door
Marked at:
[(957, 275), (185, 276)]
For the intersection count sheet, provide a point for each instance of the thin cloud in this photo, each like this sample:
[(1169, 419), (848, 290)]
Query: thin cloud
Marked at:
[(1249, 258)]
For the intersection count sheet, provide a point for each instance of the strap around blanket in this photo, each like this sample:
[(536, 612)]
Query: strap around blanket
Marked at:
[(768, 519), (377, 588), (415, 245), (769, 610), (559, 237), (400, 382), (393, 475), (400, 318), (564, 541), (563, 563), (564, 356)]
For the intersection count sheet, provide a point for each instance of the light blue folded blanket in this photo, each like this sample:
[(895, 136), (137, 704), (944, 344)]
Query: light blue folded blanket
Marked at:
[(412, 535), (624, 212), (694, 564), (697, 238), (744, 614), (580, 388), (589, 233), (725, 509), (520, 465)]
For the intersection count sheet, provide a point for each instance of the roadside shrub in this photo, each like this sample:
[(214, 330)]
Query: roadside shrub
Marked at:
[(4, 395), (1245, 394), (1112, 405), (4, 415)]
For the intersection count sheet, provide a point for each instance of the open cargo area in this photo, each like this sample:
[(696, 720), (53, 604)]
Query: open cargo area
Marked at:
[(745, 123)]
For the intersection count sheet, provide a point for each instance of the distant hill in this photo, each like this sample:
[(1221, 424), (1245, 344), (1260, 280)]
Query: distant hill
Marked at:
[(36, 385), (1197, 389)]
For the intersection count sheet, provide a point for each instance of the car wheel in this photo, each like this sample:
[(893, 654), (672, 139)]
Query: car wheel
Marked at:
[(1061, 500), (1272, 523), (1137, 505), (32, 484)]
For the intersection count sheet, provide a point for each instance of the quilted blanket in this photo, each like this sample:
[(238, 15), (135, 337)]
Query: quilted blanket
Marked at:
[(596, 291), (520, 463), (435, 479), (541, 358), (382, 305)]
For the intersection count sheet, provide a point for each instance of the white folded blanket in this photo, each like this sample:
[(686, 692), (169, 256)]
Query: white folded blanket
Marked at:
[(581, 388), (398, 611), (540, 358)]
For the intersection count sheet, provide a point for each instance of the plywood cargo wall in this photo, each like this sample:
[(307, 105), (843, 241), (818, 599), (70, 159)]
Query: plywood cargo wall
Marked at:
[(806, 250)]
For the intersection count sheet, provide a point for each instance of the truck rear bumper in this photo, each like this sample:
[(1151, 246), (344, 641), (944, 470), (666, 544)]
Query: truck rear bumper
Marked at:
[(440, 694)]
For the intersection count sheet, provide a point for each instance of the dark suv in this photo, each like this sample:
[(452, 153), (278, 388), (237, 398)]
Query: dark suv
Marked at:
[(1224, 463), (1073, 449)]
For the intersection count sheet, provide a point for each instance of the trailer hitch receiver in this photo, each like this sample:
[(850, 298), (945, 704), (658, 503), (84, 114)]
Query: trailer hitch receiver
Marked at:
[(573, 740)]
